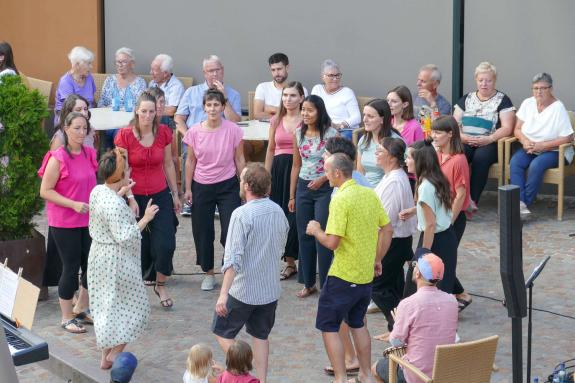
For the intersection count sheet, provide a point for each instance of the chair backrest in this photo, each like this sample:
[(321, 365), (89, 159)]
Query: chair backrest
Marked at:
[(251, 96), (147, 78), (572, 118), (99, 79), (361, 101), (44, 87), (470, 362), (187, 81)]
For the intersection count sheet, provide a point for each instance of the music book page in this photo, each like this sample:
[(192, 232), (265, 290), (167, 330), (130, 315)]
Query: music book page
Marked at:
[(8, 289)]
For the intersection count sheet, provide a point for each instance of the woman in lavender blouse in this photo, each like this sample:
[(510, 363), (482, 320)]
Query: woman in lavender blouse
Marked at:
[(78, 80)]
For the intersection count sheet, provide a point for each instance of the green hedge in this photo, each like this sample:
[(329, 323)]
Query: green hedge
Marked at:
[(23, 144)]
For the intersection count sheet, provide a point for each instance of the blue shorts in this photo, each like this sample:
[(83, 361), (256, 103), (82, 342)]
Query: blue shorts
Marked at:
[(341, 300)]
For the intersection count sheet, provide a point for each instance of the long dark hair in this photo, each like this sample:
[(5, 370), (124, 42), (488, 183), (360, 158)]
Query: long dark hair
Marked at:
[(323, 121), (145, 96), (68, 120), (8, 63), (283, 111), (449, 124), (68, 107), (404, 95), (427, 167), (382, 108), (396, 148)]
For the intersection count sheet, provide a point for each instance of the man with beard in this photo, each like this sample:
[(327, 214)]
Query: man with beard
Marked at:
[(268, 95), (251, 288)]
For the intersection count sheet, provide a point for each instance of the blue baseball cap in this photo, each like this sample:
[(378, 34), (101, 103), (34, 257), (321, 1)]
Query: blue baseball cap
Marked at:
[(123, 367)]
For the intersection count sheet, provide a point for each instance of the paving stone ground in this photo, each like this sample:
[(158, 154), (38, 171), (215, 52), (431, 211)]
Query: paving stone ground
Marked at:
[(297, 353)]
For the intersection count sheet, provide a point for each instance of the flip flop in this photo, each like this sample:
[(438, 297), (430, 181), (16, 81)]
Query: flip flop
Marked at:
[(77, 329), (462, 303), (288, 272), (349, 370), (85, 317)]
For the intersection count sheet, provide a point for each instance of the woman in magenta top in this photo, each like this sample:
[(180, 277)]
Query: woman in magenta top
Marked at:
[(279, 159), (150, 157), (68, 176), (215, 160), (401, 105)]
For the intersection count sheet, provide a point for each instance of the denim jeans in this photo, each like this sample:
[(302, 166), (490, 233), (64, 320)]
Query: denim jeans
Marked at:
[(312, 205), (535, 165)]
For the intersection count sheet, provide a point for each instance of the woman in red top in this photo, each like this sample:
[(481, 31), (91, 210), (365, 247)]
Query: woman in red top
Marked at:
[(451, 155), (279, 158), (150, 156)]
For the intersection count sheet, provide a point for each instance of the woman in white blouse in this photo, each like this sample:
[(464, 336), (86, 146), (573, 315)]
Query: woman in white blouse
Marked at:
[(340, 101), (542, 126), (395, 194)]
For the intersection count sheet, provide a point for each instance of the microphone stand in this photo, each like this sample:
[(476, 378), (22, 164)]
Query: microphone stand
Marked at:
[(529, 285)]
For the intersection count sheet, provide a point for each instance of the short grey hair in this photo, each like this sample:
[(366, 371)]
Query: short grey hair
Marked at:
[(211, 59), (80, 55), (435, 73), (328, 64), (542, 77), (126, 51), (166, 62), (485, 67), (342, 162)]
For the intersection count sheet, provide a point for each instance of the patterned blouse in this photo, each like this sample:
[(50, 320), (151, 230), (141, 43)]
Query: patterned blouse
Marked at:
[(311, 151), (111, 83)]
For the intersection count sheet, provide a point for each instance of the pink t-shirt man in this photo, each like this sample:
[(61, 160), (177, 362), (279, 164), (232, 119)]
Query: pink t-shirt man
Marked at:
[(76, 181), (214, 150)]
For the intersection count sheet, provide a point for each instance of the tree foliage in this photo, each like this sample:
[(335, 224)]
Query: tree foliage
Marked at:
[(23, 144)]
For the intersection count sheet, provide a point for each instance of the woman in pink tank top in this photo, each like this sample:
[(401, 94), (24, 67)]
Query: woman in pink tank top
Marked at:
[(279, 158), (68, 176)]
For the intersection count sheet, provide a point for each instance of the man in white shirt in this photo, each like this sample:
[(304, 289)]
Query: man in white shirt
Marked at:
[(268, 95), (162, 77)]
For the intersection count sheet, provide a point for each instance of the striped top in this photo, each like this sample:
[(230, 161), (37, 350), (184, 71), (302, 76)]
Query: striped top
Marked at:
[(255, 243)]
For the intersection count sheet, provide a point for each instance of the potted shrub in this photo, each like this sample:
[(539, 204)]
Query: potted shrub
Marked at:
[(23, 144)]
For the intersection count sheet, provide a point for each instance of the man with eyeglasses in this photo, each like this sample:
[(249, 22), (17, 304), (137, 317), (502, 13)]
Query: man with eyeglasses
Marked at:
[(423, 321), (191, 109), (428, 81), (268, 96), (359, 232)]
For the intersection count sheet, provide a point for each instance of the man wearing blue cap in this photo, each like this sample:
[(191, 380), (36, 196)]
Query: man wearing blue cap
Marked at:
[(423, 321)]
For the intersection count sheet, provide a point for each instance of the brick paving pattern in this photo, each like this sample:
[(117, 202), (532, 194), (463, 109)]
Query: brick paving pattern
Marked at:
[(297, 353)]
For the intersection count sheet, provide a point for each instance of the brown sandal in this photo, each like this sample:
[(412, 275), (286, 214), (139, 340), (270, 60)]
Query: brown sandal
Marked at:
[(166, 303), (306, 292), (288, 272)]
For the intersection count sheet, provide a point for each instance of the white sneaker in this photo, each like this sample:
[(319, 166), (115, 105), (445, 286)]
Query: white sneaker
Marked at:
[(372, 308), (524, 212), (208, 283)]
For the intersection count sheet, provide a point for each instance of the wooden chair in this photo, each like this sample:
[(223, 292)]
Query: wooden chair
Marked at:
[(251, 96), (361, 101), (469, 362), (187, 81), (497, 169), (44, 87), (147, 78), (555, 176), (99, 79)]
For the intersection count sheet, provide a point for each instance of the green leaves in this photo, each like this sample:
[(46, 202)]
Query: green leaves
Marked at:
[(23, 144)]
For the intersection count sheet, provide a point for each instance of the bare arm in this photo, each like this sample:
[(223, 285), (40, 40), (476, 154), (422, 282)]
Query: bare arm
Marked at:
[(229, 276), (507, 125), (295, 168), (429, 230), (262, 111), (384, 238), (170, 172), (330, 241), (191, 161), (271, 148), (358, 165), (239, 158), (231, 114), (181, 125)]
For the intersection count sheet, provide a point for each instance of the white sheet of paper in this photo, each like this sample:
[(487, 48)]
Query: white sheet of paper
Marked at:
[(8, 288)]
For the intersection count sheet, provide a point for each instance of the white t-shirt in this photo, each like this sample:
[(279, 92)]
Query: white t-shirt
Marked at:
[(394, 192), (269, 94), (341, 105), (553, 122), (188, 378)]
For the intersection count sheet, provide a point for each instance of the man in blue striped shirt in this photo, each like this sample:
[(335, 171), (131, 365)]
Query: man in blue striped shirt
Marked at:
[(251, 288)]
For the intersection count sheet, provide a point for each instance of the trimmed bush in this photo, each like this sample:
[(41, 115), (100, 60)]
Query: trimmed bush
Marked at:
[(23, 144)]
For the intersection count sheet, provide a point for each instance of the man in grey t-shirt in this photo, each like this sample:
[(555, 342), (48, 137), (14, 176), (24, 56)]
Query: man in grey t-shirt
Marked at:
[(428, 81)]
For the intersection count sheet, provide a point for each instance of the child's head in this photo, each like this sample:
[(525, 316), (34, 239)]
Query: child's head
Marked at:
[(200, 361), (239, 358)]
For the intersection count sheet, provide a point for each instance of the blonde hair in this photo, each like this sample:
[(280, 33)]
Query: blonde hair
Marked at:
[(485, 67), (199, 363)]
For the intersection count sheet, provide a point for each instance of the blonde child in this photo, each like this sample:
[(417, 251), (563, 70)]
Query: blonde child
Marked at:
[(238, 364), (200, 367)]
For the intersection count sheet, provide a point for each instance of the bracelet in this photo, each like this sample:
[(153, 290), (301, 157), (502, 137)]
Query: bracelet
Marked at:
[(131, 196)]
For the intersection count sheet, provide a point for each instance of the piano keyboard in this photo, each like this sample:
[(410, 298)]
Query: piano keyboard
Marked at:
[(25, 346)]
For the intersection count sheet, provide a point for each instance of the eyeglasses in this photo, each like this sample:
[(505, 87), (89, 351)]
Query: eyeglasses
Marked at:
[(122, 62), (213, 71), (540, 88), (335, 76)]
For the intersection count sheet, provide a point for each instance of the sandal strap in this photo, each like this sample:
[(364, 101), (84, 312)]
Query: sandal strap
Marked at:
[(160, 284), (73, 321)]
